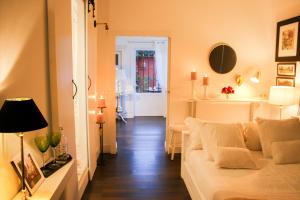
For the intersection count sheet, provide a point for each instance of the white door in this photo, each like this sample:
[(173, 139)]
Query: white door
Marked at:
[(91, 62), (151, 79), (79, 78), (142, 69)]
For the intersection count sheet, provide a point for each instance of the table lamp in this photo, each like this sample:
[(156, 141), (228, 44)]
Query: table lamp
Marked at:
[(281, 96), (21, 115)]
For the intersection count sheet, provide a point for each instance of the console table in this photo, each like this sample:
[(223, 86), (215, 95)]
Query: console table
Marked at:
[(212, 109), (53, 186)]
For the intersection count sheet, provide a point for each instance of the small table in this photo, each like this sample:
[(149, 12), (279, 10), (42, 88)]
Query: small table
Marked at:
[(175, 133), (53, 186)]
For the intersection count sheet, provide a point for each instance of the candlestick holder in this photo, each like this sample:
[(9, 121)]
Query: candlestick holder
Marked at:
[(101, 108), (101, 144), (193, 90), (205, 91)]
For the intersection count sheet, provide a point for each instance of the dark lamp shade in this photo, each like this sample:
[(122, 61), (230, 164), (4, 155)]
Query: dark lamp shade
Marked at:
[(20, 115)]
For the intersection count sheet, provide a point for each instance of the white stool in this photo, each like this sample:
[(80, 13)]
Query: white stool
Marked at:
[(175, 133)]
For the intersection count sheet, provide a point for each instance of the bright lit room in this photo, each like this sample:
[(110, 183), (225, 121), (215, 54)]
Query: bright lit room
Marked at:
[(127, 100)]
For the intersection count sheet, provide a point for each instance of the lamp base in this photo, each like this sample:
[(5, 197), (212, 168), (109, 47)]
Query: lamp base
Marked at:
[(21, 135), (205, 92), (24, 195)]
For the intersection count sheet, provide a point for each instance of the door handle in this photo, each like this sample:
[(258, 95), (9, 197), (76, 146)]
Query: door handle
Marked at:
[(76, 89), (90, 82)]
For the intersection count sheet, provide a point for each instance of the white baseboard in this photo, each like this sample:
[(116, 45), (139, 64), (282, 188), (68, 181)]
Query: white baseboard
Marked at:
[(82, 183)]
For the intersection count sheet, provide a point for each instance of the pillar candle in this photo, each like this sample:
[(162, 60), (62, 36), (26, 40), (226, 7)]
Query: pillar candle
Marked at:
[(100, 118), (101, 102), (205, 80), (194, 75)]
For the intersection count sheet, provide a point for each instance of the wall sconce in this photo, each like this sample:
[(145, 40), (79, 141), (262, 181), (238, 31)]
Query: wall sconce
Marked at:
[(255, 78), (239, 80), (104, 23)]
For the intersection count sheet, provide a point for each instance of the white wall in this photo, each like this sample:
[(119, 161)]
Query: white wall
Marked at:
[(193, 27), (25, 69), (143, 104)]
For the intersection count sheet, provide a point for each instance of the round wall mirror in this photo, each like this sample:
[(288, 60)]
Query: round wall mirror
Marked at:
[(222, 59)]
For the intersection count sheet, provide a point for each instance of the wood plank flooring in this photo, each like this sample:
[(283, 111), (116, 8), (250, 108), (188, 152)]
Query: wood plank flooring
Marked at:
[(141, 170)]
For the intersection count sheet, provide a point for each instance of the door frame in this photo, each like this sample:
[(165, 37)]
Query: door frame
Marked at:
[(168, 75)]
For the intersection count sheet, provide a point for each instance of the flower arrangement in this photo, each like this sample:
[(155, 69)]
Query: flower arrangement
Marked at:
[(227, 90)]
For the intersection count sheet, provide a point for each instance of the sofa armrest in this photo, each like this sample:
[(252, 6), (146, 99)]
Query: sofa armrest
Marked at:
[(185, 140)]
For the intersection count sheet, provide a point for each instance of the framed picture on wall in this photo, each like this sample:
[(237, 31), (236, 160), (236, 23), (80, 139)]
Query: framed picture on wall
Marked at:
[(286, 69), (287, 40), (284, 81), (33, 175)]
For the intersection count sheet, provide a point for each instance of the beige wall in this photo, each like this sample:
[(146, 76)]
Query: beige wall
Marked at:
[(193, 27), (23, 73), (105, 76)]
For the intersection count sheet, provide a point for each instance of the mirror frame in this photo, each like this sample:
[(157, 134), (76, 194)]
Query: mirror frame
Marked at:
[(222, 58)]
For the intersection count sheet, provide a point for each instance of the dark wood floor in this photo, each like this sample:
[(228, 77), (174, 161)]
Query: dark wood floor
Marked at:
[(141, 170)]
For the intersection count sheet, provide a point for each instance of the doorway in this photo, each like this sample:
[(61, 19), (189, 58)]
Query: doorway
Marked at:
[(141, 76)]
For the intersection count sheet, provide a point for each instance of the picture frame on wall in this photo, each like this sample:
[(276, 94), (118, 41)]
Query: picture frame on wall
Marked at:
[(285, 81), (288, 40), (33, 174), (286, 69)]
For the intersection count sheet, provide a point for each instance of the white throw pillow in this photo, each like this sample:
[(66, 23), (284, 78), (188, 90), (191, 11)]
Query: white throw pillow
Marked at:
[(287, 152), (276, 131), (215, 135), (234, 158), (251, 135), (194, 127)]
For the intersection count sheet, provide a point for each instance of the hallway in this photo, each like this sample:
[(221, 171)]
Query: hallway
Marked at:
[(141, 170)]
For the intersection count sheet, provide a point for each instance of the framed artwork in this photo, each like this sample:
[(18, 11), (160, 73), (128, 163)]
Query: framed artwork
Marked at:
[(287, 40), (33, 175), (284, 81), (286, 69)]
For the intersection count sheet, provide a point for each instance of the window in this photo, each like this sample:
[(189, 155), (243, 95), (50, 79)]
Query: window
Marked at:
[(146, 74)]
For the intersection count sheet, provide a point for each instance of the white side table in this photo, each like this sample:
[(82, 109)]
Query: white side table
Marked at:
[(53, 186), (175, 134)]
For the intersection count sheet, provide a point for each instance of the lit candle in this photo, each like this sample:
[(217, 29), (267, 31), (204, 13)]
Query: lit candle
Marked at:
[(100, 118), (205, 80), (101, 102), (193, 74)]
